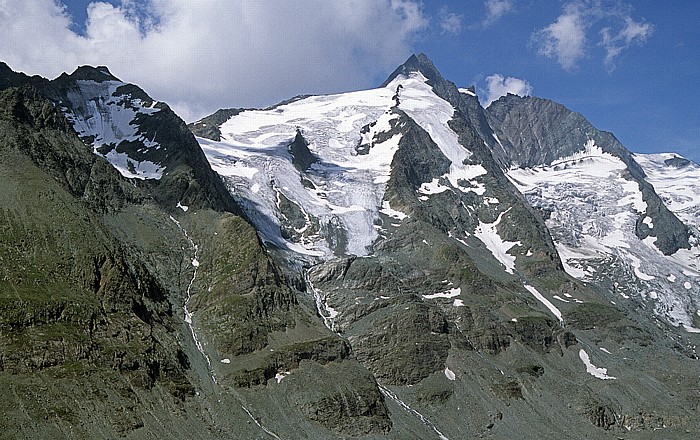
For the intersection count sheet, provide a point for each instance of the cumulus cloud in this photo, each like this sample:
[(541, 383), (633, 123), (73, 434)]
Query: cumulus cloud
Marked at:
[(566, 40), (498, 86), (200, 56), (495, 9)]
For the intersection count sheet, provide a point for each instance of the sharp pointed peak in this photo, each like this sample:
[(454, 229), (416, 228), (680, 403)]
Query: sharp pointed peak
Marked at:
[(416, 63)]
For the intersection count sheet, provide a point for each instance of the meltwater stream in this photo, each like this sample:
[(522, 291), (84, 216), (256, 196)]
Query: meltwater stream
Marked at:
[(188, 314)]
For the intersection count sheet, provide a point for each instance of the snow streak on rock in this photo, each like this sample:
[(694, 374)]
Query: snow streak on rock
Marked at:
[(391, 395), (552, 308), (325, 311), (488, 234), (188, 297), (260, 425)]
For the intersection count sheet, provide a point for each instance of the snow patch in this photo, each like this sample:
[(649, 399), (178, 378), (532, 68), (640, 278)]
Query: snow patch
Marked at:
[(600, 373), (282, 375), (449, 374), (132, 169), (432, 187), (387, 210), (447, 294), (183, 207)]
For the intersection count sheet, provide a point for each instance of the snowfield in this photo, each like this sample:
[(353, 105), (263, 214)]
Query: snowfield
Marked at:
[(111, 123), (342, 190), (340, 197)]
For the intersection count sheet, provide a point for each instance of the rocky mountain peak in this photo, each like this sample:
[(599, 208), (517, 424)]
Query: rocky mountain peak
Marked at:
[(10, 78), (5, 70), (90, 73), (416, 63)]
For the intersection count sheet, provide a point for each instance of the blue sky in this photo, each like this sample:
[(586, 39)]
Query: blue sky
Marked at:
[(647, 96), (632, 68)]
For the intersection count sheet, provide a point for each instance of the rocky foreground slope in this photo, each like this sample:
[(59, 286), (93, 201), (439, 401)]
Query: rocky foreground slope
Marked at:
[(390, 263)]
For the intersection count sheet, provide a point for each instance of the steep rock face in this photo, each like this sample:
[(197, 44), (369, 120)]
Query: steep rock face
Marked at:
[(69, 309)]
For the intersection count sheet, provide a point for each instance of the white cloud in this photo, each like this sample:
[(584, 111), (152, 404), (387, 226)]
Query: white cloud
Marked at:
[(495, 9), (633, 33), (566, 39), (450, 22), (498, 86), (199, 56)]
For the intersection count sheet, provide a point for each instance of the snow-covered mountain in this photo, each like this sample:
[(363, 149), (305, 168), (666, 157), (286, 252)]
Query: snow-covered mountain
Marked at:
[(407, 206), (106, 111), (620, 221), (600, 204), (389, 263)]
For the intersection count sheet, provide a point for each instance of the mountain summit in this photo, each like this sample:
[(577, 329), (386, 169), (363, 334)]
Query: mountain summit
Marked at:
[(416, 63), (381, 264)]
